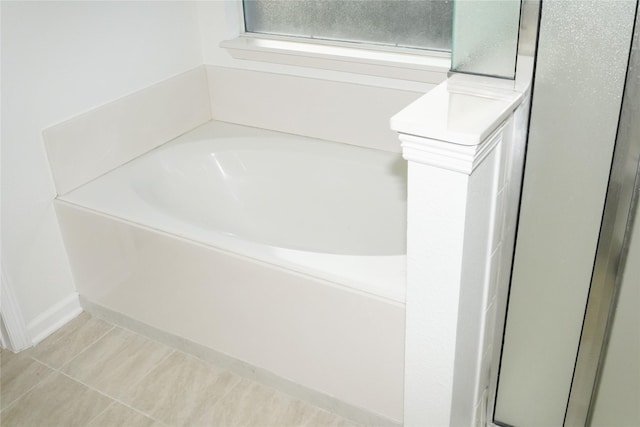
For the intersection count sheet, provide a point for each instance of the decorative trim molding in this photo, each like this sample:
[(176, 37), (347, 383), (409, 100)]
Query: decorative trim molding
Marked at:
[(14, 331), (54, 318), (453, 136), (396, 63), (446, 155)]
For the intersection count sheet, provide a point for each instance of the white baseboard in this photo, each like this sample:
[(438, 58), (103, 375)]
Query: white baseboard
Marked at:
[(54, 318), (12, 328)]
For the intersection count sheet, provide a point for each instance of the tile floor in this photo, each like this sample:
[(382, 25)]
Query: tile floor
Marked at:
[(91, 373)]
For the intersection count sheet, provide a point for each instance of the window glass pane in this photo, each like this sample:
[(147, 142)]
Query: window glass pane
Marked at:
[(423, 24), (485, 37)]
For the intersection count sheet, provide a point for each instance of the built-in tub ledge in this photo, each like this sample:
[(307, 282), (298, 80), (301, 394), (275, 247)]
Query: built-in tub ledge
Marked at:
[(464, 143)]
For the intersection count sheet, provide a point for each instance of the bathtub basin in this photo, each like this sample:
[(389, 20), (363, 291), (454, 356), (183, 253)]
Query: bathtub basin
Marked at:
[(325, 209), (283, 252)]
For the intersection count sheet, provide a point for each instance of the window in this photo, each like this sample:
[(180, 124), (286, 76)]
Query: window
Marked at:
[(420, 24), (406, 42)]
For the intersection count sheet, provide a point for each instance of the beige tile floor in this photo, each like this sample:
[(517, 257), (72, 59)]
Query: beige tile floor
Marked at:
[(91, 373)]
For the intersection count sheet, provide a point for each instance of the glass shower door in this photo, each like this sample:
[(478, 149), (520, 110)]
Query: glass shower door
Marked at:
[(615, 402), (606, 379), (582, 58)]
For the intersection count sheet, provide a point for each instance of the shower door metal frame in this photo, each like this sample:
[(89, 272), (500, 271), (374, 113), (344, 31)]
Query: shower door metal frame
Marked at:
[(621, 200)]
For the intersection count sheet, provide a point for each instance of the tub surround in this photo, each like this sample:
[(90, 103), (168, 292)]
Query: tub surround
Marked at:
[(87, 146), (468, 136), (354, 114)]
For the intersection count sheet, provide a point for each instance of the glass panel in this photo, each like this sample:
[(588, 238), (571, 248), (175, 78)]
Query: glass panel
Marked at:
[(423, 24), (610, 342), (579, 80), (618, 394), (485, 37)]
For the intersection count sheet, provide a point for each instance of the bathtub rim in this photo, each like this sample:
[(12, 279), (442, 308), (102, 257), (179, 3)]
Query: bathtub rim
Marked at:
[(388, 280)]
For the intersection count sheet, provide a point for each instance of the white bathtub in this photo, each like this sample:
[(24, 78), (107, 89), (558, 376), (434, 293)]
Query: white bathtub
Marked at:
[(283, 252)]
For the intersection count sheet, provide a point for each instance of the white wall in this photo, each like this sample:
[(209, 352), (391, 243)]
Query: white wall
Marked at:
[(59, 60)]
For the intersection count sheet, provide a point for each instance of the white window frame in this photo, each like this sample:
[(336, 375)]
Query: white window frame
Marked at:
[(381, 61)]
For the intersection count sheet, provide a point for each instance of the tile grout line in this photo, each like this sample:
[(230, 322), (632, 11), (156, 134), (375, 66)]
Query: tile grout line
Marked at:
[(116, 401), (175, 351), (101, 412), (161, 360), (88, 346), (58, 330), (207, 363), (54, 370), (112, 399), (72, 358), (41, 380), (172, 350), (210, 365)]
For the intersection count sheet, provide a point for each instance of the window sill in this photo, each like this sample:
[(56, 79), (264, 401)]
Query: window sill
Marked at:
[(396, 64)]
